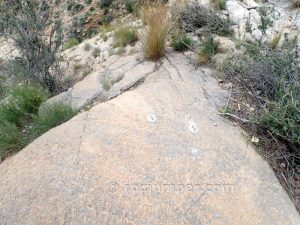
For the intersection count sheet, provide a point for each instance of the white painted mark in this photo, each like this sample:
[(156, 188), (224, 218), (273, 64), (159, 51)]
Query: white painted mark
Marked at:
[(193, 128), (194, 151), (152, 118)]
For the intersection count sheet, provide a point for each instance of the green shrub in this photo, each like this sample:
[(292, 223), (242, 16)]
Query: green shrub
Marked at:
[(265, 19), (91, 32), (209, 48), (105, 19), (271, 80), (9, 138), (88, 1), (96, 53), (10, 112), (29, 97), (105, 3), (124, 36), (87, 47), (70, 4), (70, 43), (129, 5), (51, 116), (181, 42), (77, 8), (283, 117), (2, 87), (23, 102)]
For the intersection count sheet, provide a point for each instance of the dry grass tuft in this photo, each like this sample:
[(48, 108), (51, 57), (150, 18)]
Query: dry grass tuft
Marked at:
[(156, 17), (296, 4)]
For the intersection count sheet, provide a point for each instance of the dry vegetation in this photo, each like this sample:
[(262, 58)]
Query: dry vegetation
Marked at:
[(157, 20)]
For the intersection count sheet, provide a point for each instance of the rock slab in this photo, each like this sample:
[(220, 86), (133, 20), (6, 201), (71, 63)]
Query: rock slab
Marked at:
[(157, 154)]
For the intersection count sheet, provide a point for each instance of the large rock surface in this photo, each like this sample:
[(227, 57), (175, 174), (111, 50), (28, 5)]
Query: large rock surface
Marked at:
[(156, 154)]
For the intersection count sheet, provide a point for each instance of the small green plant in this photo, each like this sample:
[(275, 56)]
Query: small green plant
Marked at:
[(248, 26), (87, 47), (70, 4), (105, 3), (124, 36), (70, 43), (22, 103), (9, 138), (77, 7), (88, 1), (107, 83), (2, 87), (219, 4), (265, 19), (181, 42), (275, 41), (105, 19), (96, 53), (29, 97), (91, 32), (51, 116), (271, 80), (208, 49), (129, 5)]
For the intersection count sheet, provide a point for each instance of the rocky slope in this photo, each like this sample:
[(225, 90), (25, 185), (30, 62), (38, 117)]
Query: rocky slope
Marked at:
[(158, 153)]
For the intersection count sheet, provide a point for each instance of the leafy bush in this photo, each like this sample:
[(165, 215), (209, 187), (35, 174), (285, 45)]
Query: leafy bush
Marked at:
[(265, 19), (195, 16), (156, 17), (76, 8), (271, 78), (9, 138), (96, 53), (124, 36), (181, 42), (129, 5), (51, 116), (29, 97), (2, 87), (87, 47), (88, 1), (105, 20), (10, 112), (105, 3), (70, 4), (91, 32), (2, 90), (71, 43), (208, 49), (22, 103)]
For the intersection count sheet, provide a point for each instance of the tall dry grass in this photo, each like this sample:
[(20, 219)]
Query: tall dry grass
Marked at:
[(157, 20)]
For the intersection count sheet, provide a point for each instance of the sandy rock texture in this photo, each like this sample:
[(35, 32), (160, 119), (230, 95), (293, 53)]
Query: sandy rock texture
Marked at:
[(159, 153)]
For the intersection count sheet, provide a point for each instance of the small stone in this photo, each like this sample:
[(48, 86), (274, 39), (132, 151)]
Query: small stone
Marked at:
[(252, 109), (282, 165), (255, 139)]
